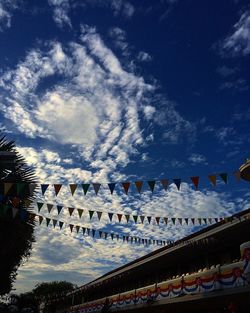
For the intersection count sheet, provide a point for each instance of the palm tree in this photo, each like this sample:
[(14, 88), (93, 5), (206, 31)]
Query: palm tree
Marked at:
[(16, 233)]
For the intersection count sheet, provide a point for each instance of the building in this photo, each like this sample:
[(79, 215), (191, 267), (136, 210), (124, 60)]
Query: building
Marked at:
[(208, 271)]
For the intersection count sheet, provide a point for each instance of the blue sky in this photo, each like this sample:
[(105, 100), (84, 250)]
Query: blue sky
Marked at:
[(109, 91)]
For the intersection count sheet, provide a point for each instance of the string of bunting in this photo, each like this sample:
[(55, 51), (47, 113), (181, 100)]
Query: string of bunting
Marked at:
[(92, 232), (129, 217), (126, 186)]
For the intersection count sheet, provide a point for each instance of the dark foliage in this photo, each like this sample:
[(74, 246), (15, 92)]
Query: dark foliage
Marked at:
[(16, 234)]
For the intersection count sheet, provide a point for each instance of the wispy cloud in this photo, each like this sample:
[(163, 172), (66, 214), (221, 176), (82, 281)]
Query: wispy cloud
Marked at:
[(196, 158), (62, 9), (6, 9), (238, 42)]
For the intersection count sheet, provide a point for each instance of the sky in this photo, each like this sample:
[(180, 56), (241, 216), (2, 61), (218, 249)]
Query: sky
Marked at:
[(98, 91)]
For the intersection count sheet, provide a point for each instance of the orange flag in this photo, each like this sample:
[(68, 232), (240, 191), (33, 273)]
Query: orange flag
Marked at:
[(138, 185), (212, 179), (195, 180)]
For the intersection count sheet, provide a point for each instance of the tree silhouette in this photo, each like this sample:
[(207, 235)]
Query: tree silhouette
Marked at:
[(16, 234)]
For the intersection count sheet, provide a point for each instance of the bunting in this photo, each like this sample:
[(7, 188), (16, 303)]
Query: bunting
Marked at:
[(127, 217), (20, 187)]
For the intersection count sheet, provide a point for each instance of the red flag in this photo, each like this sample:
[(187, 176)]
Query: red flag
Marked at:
[(164, 183), (195, 180), (165, 220), (126, 187), (57, 188), (119, 217), (157, 220)]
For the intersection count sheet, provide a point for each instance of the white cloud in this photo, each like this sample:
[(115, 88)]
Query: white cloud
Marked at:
[(238, 42), (6, 9), (144, 56), (61, 10), (197, 158)]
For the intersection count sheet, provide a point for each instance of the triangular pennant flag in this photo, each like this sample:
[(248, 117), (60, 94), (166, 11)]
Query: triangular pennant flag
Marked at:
[(186, 220), (180, 220), (164, 183), (80, 211), (40, 219), (60, 224), (99, 215), (119, 217), (27, 203), (93, 233), (212, 179), (72, 188), (195, 180), (100, 233), (199, 221), (57, 188), (77, 229), (71, 226), (105, 235), (224, 176), (126, 187), (96, 187), (149, 219), (138, 185), (165, 220), (177, 182), (88, 231), (205, 220), (142, 217), (193, 220), (44, 187), (127, 216), (216, 220), (112, 236), (32, 216), (32, 188), (157, 219), (20, 188), (54, 222), (15, 202), (111, 187), (85, 188), (71, 210), (135, 217), (91, 213), (39, 205), (83, 230), (210, 220), (117, 237), (237, 175), (151, 184), (47, 221), (110, 216), (59, 208), (173, 220), (7, 187), (14, 212), (49, 206)]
